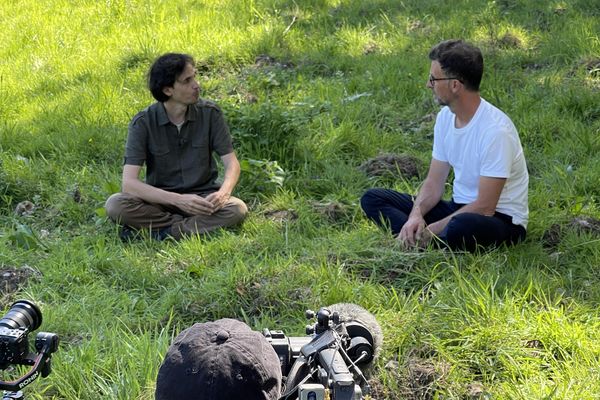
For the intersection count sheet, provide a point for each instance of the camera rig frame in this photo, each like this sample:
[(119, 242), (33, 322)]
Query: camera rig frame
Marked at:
[(23, 318), (328, 358)]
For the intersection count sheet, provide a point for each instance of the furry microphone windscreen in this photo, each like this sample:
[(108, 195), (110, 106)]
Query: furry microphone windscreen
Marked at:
[(352, 313)]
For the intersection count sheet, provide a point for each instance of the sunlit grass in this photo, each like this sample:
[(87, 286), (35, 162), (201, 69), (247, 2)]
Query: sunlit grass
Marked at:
[(318, 87)]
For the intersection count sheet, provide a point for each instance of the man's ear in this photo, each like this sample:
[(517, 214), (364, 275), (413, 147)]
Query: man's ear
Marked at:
[(456, 85), (168, 90)]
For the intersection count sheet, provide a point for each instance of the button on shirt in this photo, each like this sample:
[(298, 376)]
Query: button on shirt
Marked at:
[(179, 161)]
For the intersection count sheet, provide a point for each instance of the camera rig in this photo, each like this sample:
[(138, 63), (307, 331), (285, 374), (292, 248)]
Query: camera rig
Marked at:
[(23, 318), (327, 363)]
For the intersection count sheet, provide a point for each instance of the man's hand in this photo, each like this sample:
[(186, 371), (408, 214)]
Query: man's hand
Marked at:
[(411, 233), (195, 205), (218, 199)]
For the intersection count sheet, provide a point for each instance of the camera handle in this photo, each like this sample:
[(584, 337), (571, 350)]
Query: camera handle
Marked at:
[(45, 344)]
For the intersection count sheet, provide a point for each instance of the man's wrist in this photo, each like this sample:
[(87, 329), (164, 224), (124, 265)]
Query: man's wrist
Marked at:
[(173, 198), (225, 191), (415, 213)]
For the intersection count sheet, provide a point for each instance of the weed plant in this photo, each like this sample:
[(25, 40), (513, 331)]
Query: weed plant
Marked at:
[(311, 90)]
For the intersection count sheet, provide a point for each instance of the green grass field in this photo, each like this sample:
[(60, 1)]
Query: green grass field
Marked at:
[(311, 89)]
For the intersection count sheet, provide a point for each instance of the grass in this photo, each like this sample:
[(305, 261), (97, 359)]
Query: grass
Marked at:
[(343, 81)]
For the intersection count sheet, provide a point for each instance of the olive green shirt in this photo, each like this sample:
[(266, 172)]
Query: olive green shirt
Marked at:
[(179, 161)]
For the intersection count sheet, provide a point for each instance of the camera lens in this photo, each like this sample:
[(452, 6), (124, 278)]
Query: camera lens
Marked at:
[(22, 314)]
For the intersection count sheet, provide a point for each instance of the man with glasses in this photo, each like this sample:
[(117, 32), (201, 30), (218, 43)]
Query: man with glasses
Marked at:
[(176, 138), (489, 204)]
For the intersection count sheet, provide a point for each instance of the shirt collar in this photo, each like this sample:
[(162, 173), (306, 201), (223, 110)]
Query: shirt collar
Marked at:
[(163, 118)]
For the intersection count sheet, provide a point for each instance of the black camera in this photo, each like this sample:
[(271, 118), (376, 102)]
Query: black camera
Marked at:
[(23, 318), (327, 363)]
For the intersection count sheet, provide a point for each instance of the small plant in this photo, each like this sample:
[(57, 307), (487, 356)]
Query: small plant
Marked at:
[(261, 176)]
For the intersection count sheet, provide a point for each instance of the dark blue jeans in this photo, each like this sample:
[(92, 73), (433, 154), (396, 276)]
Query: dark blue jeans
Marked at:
[(465, 231)]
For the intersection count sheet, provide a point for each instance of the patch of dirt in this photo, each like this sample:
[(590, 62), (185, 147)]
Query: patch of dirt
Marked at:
[(76, 195), (581, 224), (370, 48), (536, 347), (12, 279), (533, 66), (585, 225), (593, 67), (508, 40), (415, 25), (24, 208), (475, 390), (265, 60), (281, 215), (419, 378), (391, 165), (333, 211), (552, 236), (378, 391), (590, 65), (423, 378)]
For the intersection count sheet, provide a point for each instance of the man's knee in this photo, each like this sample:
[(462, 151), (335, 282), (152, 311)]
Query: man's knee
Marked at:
[(460, 233), (122, 207), (370, 201), (114, 206), (236, 211)]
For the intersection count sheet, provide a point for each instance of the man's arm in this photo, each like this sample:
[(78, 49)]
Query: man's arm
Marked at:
[(232, 174), (485, 204), (190, 203), (429, 195)]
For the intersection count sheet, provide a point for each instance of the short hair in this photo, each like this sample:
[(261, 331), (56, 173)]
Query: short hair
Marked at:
[(461, 60), (164, 71)]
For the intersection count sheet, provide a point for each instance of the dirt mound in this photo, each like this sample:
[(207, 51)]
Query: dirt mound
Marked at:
[(281, 215), (265, 60), (581, 224), (423, 378), (593, 67), (419, 377), (25, 208), (12, 278), (404, 165), (333, 210)]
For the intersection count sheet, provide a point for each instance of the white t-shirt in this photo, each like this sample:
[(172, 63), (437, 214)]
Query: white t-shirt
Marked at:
[(488, 146)]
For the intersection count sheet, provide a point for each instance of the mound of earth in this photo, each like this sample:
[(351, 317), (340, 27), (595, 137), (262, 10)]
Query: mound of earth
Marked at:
[(12, 279), (333, 211), (281, 215), (581, 224), (404, 165)]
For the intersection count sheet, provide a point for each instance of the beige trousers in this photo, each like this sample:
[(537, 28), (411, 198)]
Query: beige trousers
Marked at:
[(130, 210)]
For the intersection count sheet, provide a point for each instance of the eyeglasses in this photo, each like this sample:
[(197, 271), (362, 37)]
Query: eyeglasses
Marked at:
[(432, 79)]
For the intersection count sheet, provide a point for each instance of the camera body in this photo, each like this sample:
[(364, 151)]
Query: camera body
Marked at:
[(22, 318), (14, 345), (326, 363)]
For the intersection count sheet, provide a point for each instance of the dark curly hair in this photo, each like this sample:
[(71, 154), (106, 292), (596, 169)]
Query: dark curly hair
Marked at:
[(461, 60), (164, 71)]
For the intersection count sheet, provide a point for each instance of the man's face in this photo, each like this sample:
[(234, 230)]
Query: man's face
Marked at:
[(186, 89), (440, 84)]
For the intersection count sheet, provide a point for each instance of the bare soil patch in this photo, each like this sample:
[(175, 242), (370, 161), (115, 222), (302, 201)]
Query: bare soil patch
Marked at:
[(404, 165), (281, 215), (582, 224), (12, 279)]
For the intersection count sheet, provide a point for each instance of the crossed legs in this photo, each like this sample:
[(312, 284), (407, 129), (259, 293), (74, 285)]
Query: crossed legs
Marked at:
[(132, 211), (465, 231)]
